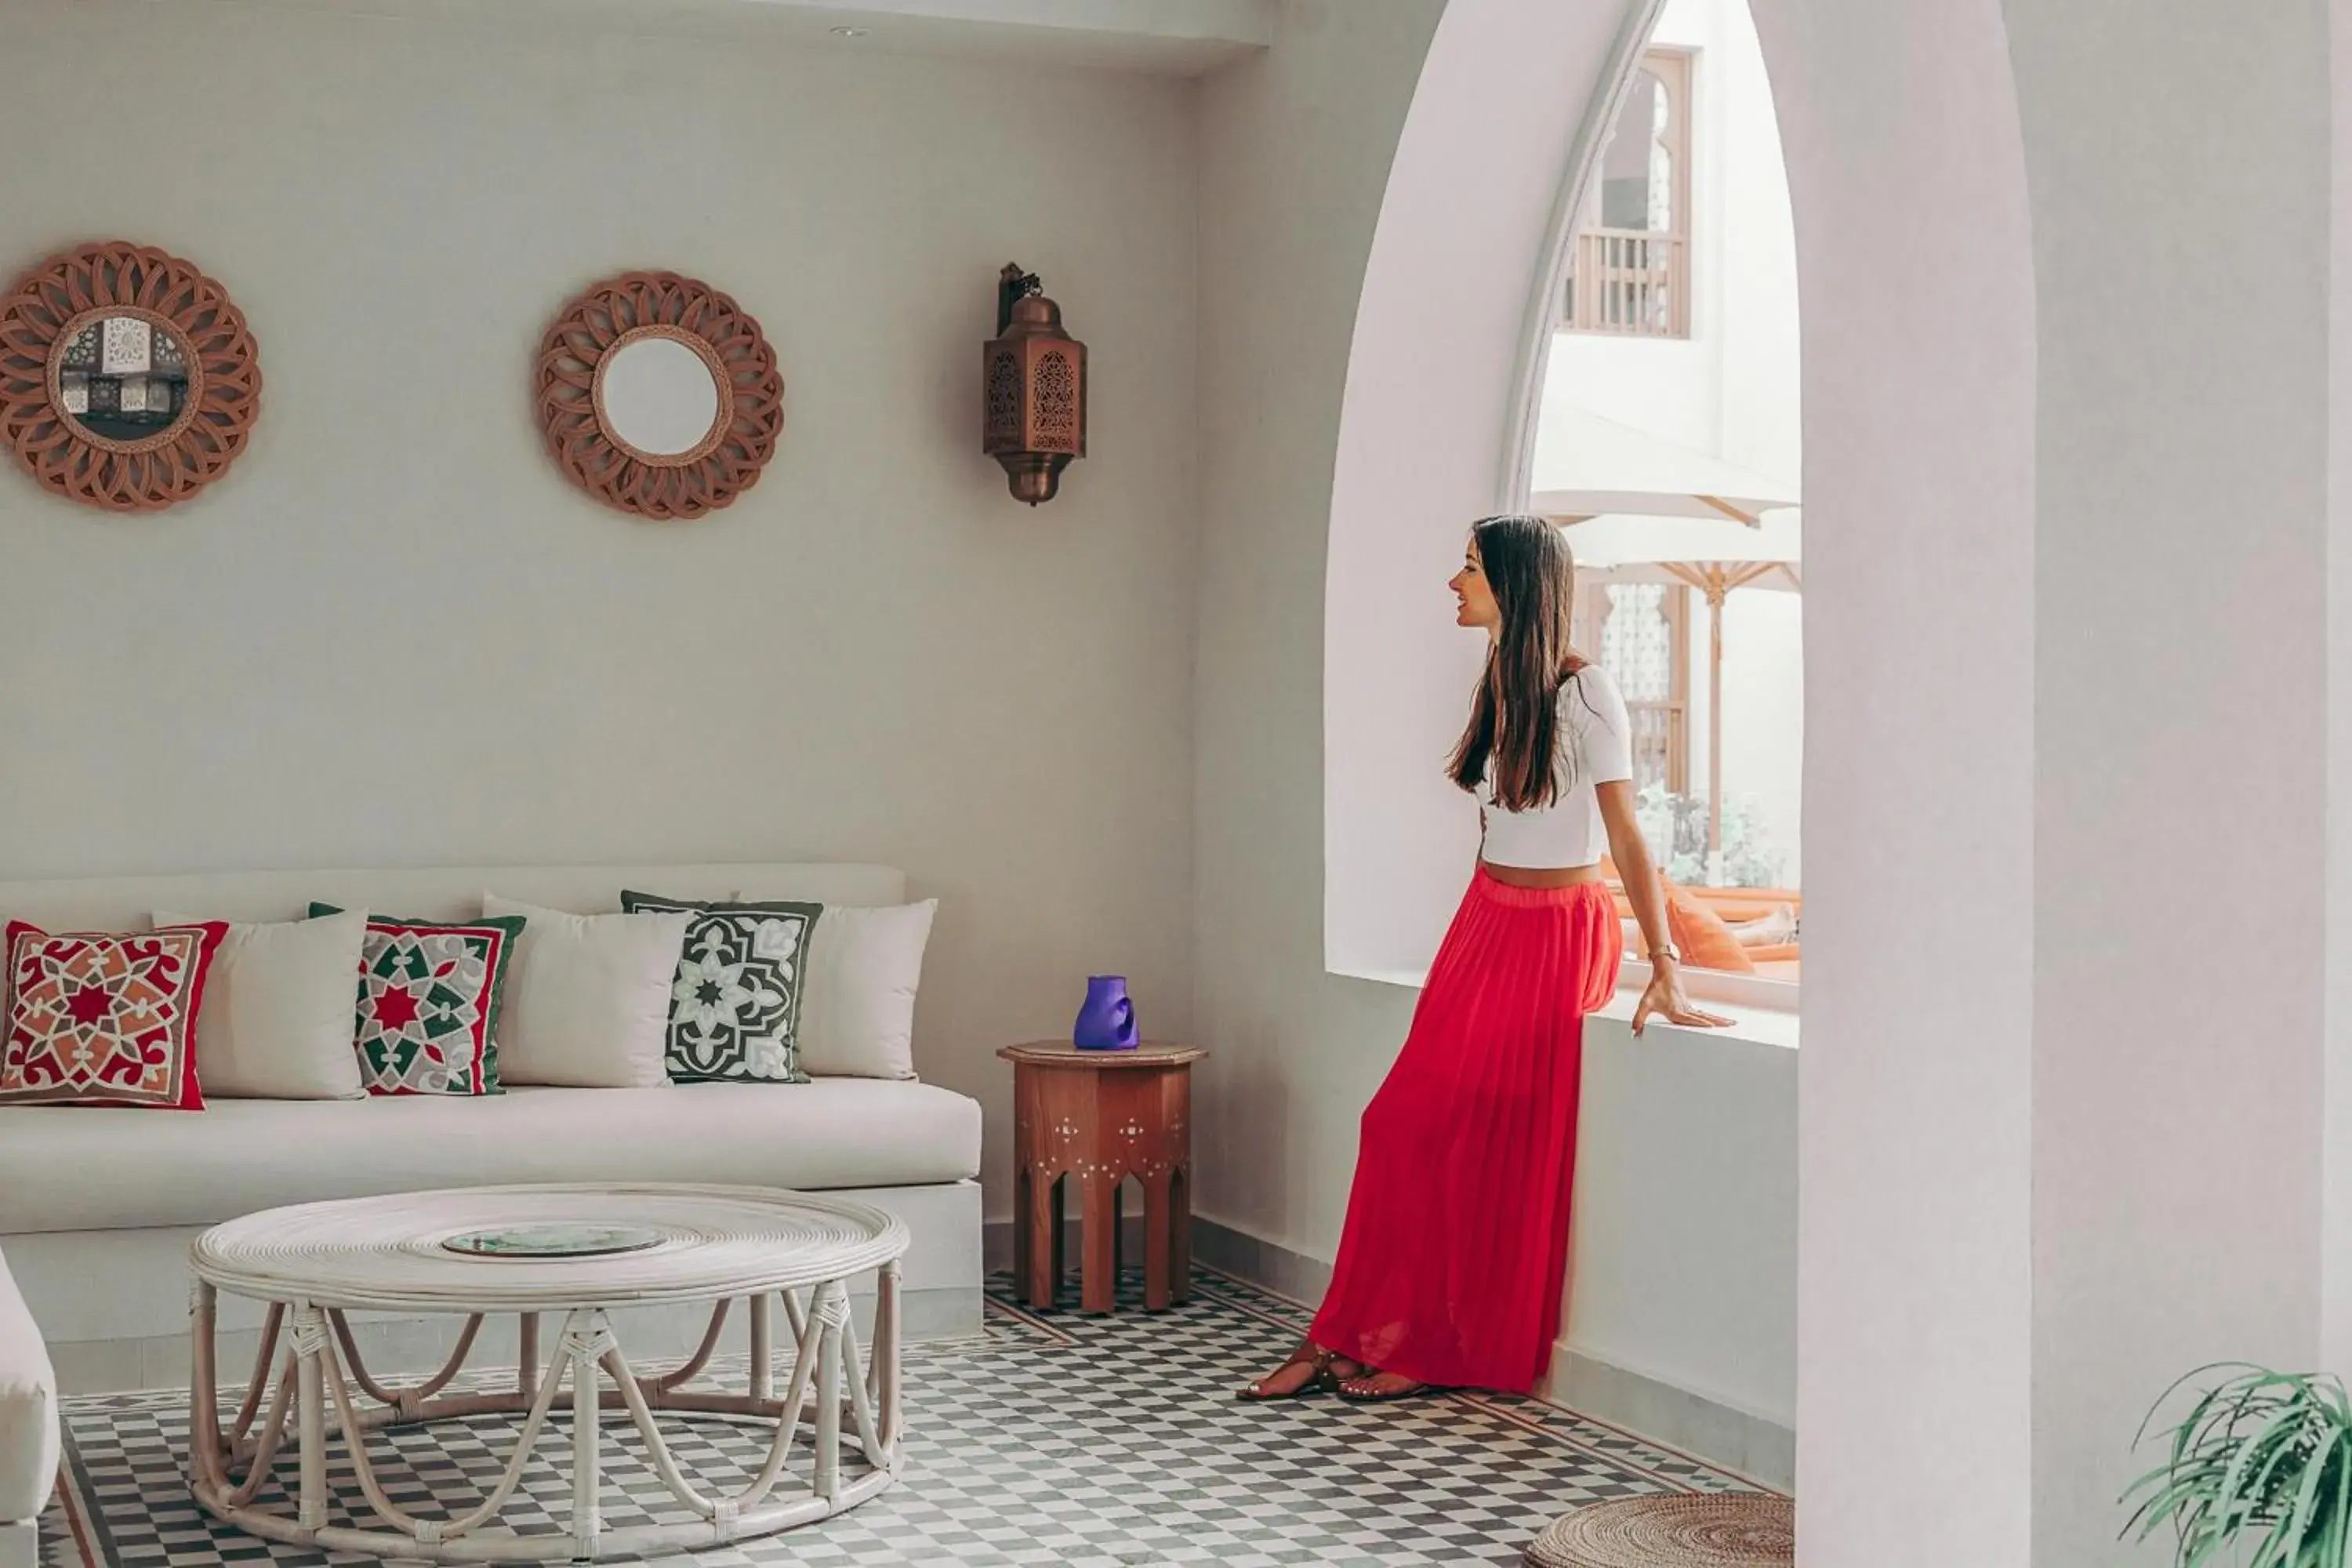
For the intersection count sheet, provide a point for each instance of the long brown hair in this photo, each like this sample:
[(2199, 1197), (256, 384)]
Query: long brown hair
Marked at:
[(1527, 566)]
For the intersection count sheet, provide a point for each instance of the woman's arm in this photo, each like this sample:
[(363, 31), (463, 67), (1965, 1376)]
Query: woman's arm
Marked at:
[(1630, 851)]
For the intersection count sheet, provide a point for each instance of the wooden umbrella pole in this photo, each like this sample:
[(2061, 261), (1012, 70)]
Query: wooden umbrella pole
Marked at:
[(1714, 580), (1715, 596)]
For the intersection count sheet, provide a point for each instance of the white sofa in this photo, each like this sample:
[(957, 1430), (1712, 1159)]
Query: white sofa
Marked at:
[(98, 1206), (28, 1428)]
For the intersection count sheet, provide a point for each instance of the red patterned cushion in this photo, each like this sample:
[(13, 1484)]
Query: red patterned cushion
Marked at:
[(98, 1019)]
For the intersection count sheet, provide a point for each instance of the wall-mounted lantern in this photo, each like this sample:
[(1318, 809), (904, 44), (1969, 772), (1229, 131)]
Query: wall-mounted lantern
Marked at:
[(1034, 377)]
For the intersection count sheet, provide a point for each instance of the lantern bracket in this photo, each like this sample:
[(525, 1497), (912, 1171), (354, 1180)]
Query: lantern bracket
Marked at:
[(1013, 285)]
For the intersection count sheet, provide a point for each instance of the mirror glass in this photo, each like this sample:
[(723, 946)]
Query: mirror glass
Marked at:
[(658, 396), (124, 378)]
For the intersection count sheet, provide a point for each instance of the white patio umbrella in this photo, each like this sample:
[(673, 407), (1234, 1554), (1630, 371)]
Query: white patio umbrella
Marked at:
[(1588, 466), (1715, 557)]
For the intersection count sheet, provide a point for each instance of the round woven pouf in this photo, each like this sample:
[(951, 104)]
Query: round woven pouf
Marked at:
[(1742, 1531)]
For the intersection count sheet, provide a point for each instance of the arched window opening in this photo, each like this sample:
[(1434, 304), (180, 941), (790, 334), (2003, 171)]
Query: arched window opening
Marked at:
[(1668, 447)]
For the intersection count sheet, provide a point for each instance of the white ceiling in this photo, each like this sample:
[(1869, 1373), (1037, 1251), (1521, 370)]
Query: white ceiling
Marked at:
[(1164, 37)]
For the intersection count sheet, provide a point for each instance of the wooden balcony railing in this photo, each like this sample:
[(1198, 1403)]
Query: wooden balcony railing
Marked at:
[(1630, 281)]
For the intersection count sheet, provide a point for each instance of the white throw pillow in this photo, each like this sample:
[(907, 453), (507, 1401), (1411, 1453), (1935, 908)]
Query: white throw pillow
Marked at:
[(278, 1021), (588, 1002), (857, 1018)]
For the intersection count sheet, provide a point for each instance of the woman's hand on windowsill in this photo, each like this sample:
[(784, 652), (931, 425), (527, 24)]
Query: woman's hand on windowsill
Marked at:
[(1663, 996)]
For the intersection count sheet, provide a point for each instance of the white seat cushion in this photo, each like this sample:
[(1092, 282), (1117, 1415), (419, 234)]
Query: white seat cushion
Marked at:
[(28, 1403), (81, 1168)]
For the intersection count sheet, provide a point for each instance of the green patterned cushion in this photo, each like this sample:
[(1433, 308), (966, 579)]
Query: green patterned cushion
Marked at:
[(735, 1010), (429, 1002)]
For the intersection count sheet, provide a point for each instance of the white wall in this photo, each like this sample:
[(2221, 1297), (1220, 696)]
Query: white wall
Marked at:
[(2150, 631), (395, 635), (1295, 152), (1683, 1246), (2335, 1192)]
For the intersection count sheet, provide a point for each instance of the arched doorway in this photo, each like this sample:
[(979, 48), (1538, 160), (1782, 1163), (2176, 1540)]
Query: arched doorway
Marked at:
[(1907, 176)]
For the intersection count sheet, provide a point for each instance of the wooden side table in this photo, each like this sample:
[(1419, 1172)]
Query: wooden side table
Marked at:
[(1096, 1118)]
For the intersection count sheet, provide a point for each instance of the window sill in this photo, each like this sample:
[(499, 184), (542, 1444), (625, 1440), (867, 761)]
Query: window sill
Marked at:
[(1757, 1017), (1752, 1020)]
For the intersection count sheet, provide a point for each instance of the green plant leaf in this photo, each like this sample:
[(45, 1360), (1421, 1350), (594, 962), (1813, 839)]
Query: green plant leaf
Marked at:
[(2260, 1467)]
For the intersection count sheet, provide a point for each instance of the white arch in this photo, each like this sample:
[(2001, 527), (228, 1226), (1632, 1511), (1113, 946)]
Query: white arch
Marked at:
[(1908, 179)]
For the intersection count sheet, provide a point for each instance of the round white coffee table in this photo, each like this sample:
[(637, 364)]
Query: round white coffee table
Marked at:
[(577, 1250)]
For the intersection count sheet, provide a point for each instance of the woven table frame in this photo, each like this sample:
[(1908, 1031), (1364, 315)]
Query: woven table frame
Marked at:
[(606, 317), (55, 301), (318, 1388)]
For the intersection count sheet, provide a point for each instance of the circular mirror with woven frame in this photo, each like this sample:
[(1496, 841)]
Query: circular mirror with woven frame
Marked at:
[(660, 396), (128, 379)]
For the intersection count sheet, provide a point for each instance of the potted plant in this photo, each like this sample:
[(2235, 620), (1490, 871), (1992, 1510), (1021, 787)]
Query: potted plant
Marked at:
[(2260, 1469)]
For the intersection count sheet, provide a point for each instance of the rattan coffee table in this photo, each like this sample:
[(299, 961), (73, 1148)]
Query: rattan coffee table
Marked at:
[(578, 1251)]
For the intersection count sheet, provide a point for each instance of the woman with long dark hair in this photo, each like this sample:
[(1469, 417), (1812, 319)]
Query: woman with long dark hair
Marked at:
[(1450, 1261)]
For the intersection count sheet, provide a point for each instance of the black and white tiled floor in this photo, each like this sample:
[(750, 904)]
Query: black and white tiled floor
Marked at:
[(1050, 1440)]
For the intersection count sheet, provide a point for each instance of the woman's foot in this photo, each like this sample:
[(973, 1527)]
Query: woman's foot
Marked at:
[(1311, 1369), (1371, 1388)]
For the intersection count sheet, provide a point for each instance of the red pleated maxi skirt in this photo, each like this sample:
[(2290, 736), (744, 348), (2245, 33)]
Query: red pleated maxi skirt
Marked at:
[(1450, 1264)]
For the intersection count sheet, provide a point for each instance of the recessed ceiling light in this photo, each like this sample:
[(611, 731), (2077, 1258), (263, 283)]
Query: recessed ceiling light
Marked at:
[(850, 32)]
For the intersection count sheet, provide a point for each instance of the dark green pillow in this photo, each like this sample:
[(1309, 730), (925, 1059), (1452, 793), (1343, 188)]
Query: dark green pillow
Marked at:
[(735, 1008)]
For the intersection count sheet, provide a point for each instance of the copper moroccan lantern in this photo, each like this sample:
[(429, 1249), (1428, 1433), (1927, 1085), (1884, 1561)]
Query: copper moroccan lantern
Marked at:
[(1036, 377)]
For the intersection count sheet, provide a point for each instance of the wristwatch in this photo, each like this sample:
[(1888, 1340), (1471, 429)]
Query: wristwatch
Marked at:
[(1665, 950)]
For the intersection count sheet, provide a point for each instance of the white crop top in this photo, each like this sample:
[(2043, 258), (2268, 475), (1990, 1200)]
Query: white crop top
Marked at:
[(1594, 745)]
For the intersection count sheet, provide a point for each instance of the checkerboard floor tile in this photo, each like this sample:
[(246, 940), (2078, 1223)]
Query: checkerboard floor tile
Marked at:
[(1050, 1439)]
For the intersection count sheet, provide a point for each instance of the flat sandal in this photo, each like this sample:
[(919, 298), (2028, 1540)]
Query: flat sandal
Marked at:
[(1321, 1383), (1417, 1391)]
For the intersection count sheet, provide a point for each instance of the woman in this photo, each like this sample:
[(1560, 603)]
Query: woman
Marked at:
[(1450, 1264)]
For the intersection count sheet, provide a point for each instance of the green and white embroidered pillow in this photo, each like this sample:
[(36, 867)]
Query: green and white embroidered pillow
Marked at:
[(429, 1002), (735, 1007)]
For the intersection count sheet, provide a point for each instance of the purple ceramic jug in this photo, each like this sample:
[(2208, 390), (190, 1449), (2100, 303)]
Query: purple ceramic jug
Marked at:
[(1106, 1022)]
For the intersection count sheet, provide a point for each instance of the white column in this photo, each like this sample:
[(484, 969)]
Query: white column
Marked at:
[(2336, 1225), (2180, 662)]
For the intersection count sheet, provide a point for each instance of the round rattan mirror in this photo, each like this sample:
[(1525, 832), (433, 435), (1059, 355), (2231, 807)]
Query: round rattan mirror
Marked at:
[(127, 378), (659, 394)]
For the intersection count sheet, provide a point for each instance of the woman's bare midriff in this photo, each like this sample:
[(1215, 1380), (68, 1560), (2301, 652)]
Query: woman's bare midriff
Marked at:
[(1540, 876)]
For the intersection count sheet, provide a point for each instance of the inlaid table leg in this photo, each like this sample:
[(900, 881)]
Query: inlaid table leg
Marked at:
[(1100, 1275), (1158, 1238), (1025, 1222), (1180, 1234), (310, 1412), (1045, 1278), (1060, 1227)]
